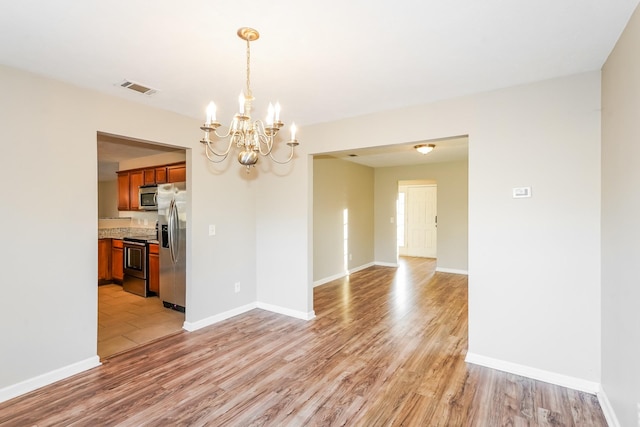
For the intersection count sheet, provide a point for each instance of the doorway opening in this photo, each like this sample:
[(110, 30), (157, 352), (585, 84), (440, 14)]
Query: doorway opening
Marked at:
[(128, 319)]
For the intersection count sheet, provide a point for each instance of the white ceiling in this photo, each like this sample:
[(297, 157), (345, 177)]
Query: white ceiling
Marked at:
[(322, 60)]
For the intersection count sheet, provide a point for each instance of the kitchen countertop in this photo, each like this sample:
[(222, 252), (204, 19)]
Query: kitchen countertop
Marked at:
[(121, 233)]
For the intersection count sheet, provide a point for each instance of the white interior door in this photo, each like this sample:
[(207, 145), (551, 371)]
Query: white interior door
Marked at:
[(421, 224)]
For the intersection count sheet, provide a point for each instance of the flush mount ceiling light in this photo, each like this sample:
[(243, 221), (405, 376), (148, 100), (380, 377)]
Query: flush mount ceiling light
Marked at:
[(424, 148), (252, 138)]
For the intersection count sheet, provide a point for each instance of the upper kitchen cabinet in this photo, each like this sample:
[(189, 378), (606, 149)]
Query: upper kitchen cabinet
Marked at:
[(136, 179), (177, 173), (161, 175), (129, 182), (123, 191), (149, 176)]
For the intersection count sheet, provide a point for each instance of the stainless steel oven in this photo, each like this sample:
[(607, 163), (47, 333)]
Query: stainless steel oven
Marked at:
[(135, 267)]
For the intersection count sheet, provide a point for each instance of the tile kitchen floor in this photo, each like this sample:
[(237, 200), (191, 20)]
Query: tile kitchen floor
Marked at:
[(126, 320)]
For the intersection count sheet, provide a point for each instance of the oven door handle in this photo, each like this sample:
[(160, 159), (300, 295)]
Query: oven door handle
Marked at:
[(126, 242)]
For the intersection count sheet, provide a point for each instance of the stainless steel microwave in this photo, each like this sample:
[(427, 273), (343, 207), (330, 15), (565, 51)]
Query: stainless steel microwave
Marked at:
[(148, 197)]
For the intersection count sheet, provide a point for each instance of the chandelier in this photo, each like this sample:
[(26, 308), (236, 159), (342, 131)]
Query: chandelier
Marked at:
[(251, 138)]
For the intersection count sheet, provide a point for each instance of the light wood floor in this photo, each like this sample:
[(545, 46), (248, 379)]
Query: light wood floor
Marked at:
[(126, 320), (387, 348)]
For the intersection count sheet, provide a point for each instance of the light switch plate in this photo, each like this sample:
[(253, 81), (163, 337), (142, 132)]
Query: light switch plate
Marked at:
[(212, 230), (520, 192)]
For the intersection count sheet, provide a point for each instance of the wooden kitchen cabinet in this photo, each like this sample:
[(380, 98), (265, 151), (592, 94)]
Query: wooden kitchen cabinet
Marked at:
[(123, 191), (161, 175), (117, 260), (129, 182), (104, 261), (136, 179), (149, 176), (154, 268), (177, 173)]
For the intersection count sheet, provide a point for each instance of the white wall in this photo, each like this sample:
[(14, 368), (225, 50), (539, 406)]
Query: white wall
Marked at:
[(534, 287), (108, 199), (621, 226), (534, 264), (283, 235), (49, 328), (340, 185), (453, 236)]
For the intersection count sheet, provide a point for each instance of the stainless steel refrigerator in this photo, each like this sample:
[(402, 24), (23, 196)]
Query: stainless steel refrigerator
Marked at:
[(172, 231)]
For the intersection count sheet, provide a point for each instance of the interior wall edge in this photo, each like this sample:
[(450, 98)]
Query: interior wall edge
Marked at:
[(607, 409)]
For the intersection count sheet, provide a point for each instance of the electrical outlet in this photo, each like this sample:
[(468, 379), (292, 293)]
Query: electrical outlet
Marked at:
[(350, 257), (146, 221), (237, 287), (212, 230)]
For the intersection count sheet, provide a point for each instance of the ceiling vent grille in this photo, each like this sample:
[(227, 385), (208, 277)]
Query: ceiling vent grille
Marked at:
[(137, 87)]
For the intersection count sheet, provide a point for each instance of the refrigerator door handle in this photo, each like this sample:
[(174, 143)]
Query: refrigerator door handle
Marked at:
[(173, 231), (170, 230)]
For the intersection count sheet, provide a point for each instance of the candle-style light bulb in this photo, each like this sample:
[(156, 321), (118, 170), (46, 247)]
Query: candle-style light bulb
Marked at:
[(211, 113), (293, 131), (270, 114), (277, 111), (241, 103)]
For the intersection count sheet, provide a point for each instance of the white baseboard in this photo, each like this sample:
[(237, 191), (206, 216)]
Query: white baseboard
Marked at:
[(194, 326), (362, 267), (386, 264), (329, 279), (287, 311), (343, 274), (607, 409), (452, 270), (31, 384), (534, 373)]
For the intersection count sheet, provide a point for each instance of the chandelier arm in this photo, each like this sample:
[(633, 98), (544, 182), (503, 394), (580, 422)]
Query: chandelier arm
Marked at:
[(264, 138), (222, 136), (219, 159), (209, 148), (283, 162), (267, 142)]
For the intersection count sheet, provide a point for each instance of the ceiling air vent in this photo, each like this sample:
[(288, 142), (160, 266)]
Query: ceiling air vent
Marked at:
[(128, 84)]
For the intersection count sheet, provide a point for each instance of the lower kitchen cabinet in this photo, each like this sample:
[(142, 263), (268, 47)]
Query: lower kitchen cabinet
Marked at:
[(104, 261), (117, 260), (154, 268)]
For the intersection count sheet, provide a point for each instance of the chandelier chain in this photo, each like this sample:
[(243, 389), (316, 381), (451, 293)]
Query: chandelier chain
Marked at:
[(249, 95)]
